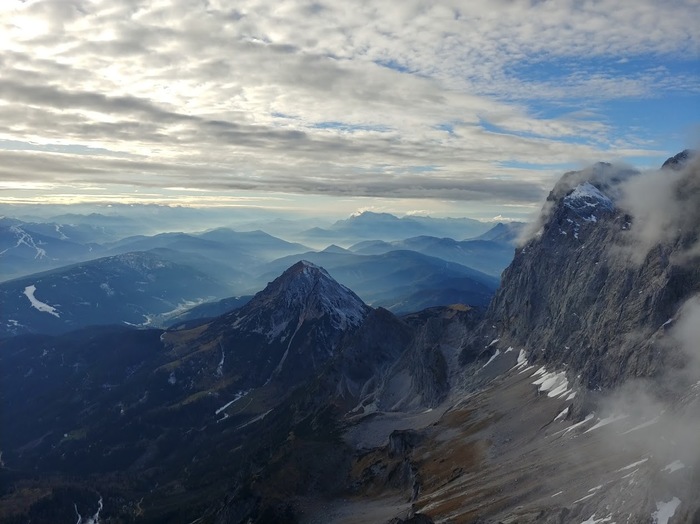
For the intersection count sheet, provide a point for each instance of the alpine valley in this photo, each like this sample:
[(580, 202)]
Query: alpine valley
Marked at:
[(393, 374)]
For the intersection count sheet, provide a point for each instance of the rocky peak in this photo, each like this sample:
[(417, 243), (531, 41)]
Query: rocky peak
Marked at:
[(586, 199), (290, 329), (680, 160), (572, 299), (308, 290)]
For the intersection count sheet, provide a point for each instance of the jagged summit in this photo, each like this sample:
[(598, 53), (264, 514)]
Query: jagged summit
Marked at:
[(572, 296), (605, 177), (586, 199), (288, 330), (680, 160), (310, 290)]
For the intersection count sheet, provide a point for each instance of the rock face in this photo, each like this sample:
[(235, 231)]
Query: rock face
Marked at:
[(574, 297), (288, 331)]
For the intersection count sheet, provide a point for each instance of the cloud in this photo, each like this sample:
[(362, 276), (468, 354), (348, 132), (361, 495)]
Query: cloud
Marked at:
[(665, 209), (242, 97)]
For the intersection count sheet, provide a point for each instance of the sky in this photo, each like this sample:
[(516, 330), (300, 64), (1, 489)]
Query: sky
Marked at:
[(467, 108)]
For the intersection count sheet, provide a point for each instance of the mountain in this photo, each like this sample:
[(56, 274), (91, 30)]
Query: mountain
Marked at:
[(32, 247), (585, 319), (299, 319), (488, 256), (574, 398), (507, 233), (385, 226), (228, 255), (132, 288), (401, 281), (116, 411)]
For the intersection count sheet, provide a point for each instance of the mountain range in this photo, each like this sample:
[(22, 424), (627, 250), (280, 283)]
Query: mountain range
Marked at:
[(369, 225), (403, 276), (573, 397)]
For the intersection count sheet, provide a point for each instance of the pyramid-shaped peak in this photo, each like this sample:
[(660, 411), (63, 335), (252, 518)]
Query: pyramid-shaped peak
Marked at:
[(309, 288)]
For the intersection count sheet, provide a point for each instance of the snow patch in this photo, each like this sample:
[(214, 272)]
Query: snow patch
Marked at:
[(562, 415), (555, 384), (643, 425), (584, 498), (674, 466), (589, 196), (23, 238), (254, 420), (607, 420), (493, 357), (665, 510), (633, 465), (577, 425), (220, 367), (95, 519), (38, 304), (238, 396)]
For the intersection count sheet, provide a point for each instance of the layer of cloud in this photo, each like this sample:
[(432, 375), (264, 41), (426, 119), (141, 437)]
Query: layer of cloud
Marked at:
[(420, 100), (665, 210)]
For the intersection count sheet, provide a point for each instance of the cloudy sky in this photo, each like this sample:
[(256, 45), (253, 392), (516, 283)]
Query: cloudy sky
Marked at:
[(471, 107)]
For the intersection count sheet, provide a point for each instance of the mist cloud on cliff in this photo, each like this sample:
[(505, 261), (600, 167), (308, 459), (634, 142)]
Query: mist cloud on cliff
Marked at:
[(665, 209)]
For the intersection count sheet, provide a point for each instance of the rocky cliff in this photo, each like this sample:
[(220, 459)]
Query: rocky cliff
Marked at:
[(585, 293)]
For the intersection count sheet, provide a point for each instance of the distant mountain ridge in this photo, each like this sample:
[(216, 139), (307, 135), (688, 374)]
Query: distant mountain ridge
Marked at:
[(385, 226), (488, 256), (129, 288), (402, 281)]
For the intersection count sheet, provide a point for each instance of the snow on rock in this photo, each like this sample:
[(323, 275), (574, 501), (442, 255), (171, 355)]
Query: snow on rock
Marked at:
[(643, 425), (493, 357), (633, 465), (563, 414), (674, 466), (38, 304), (220, 367), (95, 519), (23, 238), (585, 421), (665, 510), (586, 201), (238, 396), (304, 288), (555, 384), (607, 420)]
